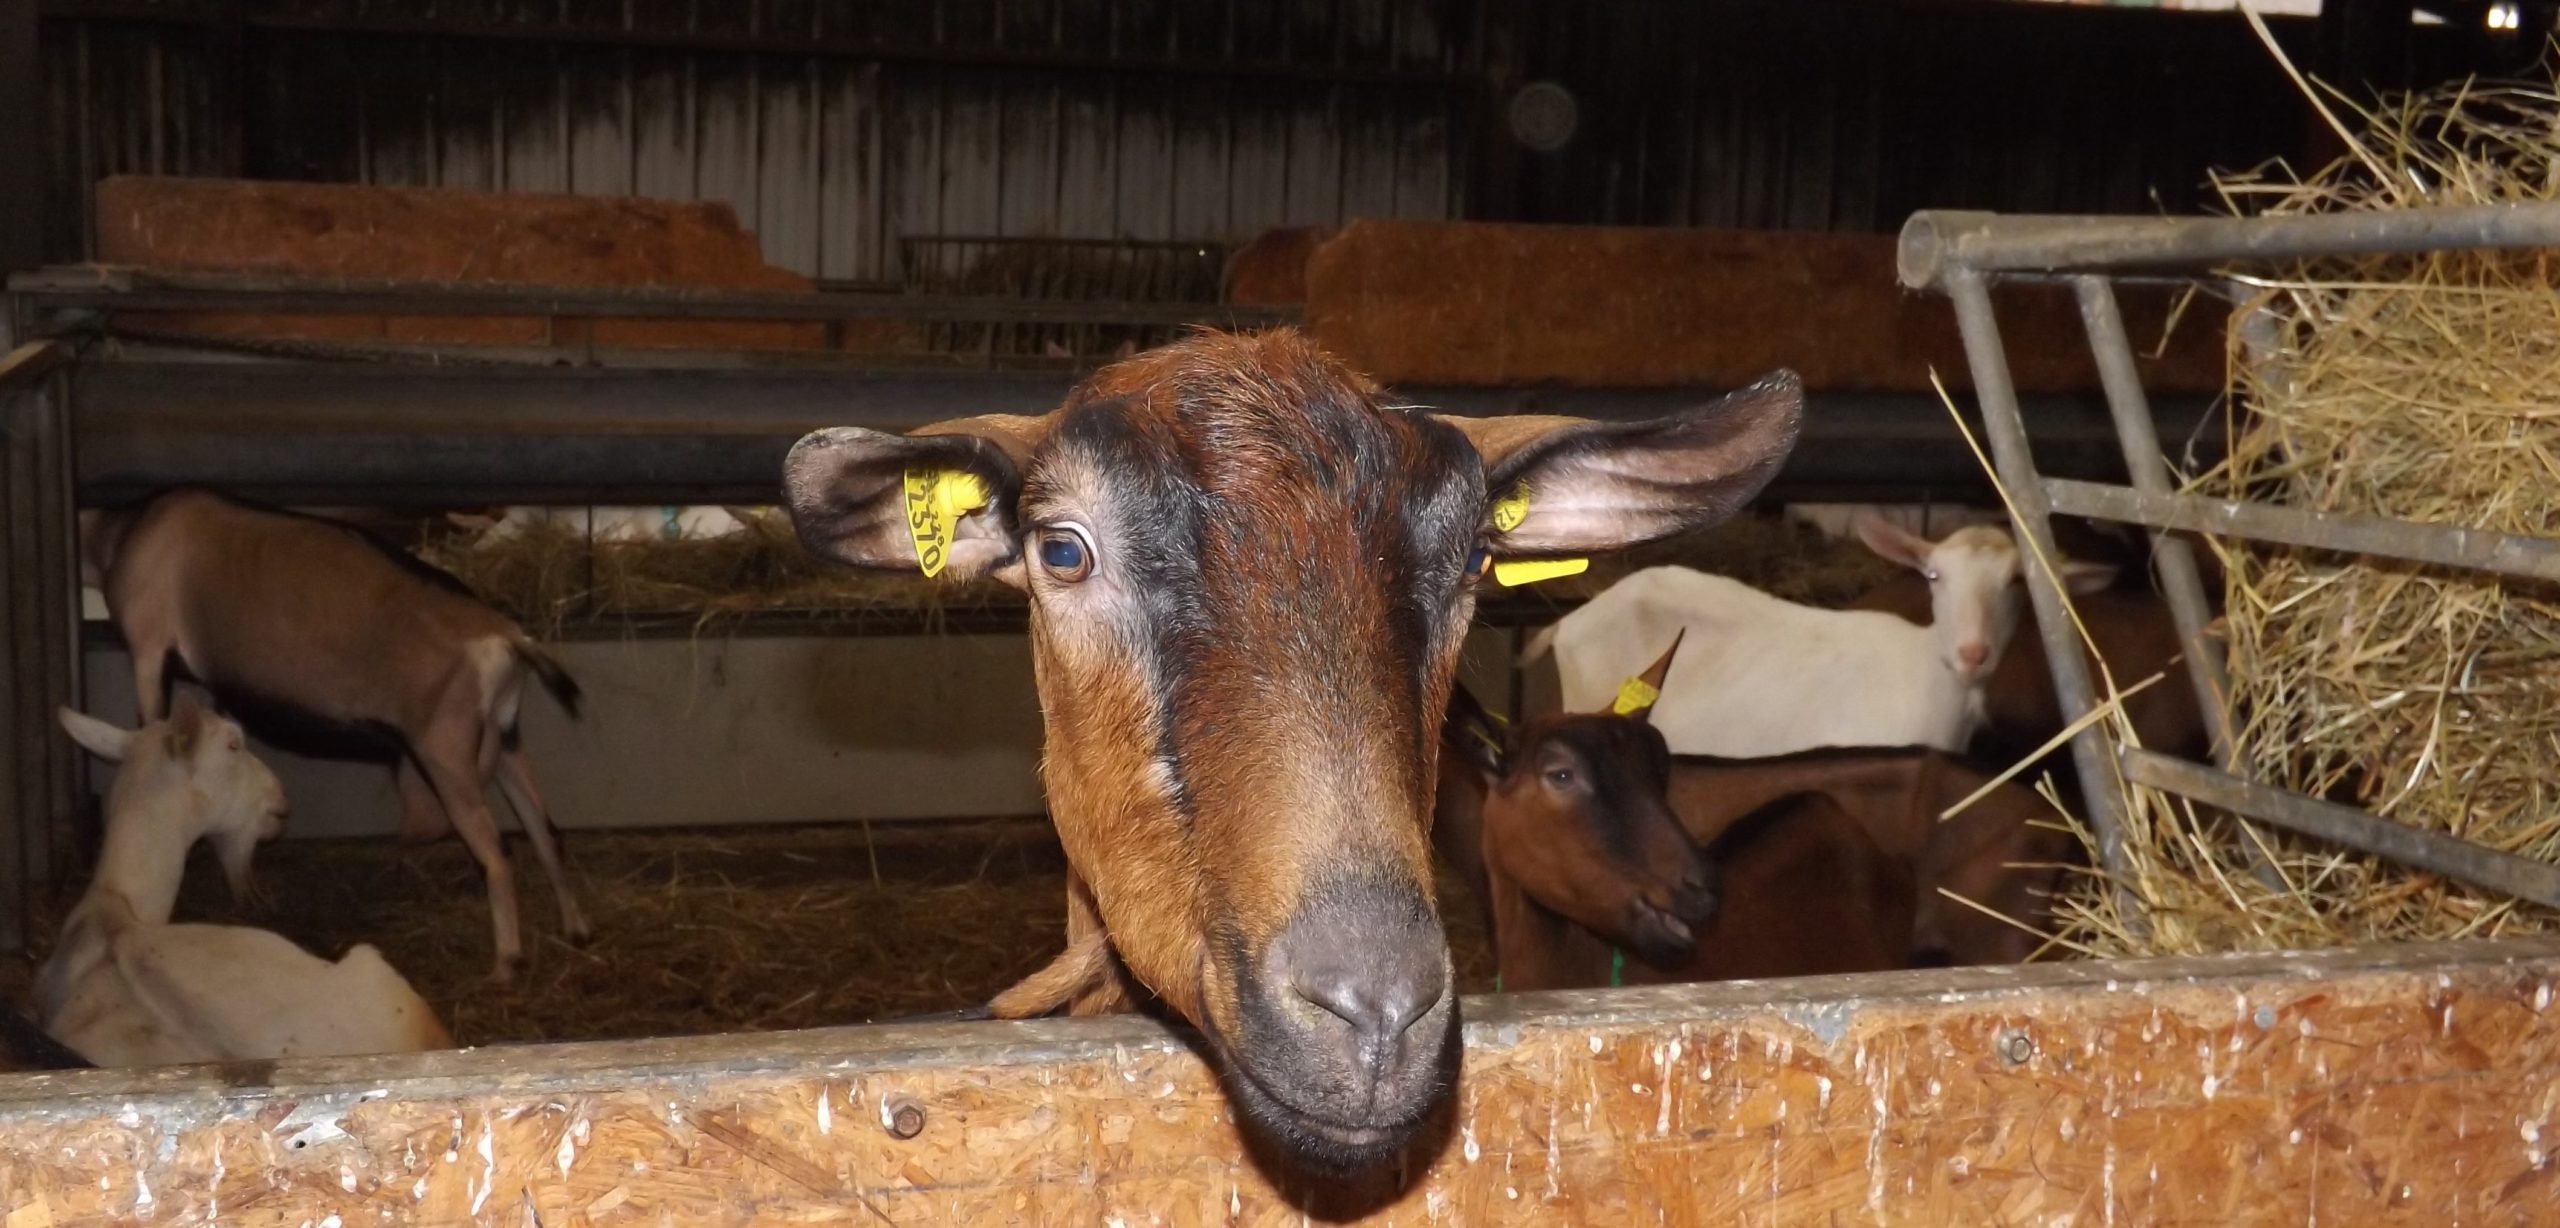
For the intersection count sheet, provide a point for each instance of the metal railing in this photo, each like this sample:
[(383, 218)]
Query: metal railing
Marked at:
[(1961, 255)]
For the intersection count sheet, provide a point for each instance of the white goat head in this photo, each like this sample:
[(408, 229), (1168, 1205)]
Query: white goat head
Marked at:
[(193, 774), (1974, 587)]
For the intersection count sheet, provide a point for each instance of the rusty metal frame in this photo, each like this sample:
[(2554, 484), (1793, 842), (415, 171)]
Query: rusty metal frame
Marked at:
[(1962, 255)]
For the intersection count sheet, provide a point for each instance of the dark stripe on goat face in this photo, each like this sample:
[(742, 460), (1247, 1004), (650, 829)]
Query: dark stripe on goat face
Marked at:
[(1624, 767)]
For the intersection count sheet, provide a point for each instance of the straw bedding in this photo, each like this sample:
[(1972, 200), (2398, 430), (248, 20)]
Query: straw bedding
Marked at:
[(2424, 388)]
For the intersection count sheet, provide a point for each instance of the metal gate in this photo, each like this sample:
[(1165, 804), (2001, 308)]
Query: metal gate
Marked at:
[(1962, 255)]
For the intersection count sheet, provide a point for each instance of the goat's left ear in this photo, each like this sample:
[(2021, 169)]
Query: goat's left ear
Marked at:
[(186, 724), (95, 736), (848, 489), (1598, 486)]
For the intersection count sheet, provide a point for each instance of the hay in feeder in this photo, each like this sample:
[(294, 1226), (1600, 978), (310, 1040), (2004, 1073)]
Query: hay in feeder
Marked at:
[(2423, 388), (553, 578)]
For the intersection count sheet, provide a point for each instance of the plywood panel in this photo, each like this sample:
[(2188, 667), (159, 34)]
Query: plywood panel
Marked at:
[(2411, 1085), (1475, 304)]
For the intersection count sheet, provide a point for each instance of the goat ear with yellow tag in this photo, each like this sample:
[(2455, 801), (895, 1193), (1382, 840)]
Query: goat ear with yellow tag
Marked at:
[(1508, 512), (939, 501), (1637, 695)]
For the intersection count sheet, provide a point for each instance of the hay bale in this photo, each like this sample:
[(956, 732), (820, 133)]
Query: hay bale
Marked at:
[(2425, 388)]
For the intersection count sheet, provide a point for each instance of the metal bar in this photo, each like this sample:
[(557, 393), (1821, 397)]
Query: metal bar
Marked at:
[(389, 24), (2010, 454), (1936, 245), (57, 545), (22, 647), (2180, 585), (447, 300), (2522, 877), (2507, 554)]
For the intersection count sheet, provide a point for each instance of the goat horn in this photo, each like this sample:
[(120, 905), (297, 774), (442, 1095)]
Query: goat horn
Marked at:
[(1636, 695)]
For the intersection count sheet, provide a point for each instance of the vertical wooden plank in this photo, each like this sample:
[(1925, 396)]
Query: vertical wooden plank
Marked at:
[(726, 118), (849, 192), (662, 128), (597, 108), (1028, 148), (787, 165), (1143, 163), (1312, 159), (1258, 157), (967, 24), (972, 161), (466, 120), (1370, 138), (1085, 27), (1088, 175), (1199, 166), (533, 155), (400, 121), (912, 169)]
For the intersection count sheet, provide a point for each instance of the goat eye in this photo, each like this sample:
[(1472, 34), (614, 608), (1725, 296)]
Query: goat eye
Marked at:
[(1065, 553), (1560, 777), (1479, 561)]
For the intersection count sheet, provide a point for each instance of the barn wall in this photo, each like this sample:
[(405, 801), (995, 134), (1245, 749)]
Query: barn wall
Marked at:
[(839, 127), (754, 729)]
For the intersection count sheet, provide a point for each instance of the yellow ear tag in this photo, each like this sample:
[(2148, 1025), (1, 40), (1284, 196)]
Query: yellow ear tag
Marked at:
[(1508, 512), (936, 500), (1512, 573), (1635, 695), (1511, 509)]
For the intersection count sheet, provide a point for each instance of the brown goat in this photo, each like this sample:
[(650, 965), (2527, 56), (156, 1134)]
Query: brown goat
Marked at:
[(1249, 577), (326, 639), (1593, 839)]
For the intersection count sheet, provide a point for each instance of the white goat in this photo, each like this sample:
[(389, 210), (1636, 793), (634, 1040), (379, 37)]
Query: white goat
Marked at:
[(1762, 676), (126, 988), (689, 522)]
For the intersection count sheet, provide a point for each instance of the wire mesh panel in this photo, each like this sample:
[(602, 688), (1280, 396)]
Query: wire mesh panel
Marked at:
[(1102, 272)]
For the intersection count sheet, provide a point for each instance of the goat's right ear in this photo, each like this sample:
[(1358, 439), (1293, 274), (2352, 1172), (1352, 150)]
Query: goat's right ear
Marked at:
[(871, 499), (95, 736), (1893, 543)]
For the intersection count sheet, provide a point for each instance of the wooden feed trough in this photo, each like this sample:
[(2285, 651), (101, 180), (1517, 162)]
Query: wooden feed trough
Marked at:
[(2414, 1085)]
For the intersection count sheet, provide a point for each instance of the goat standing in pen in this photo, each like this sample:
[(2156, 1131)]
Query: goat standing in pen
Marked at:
[(1587, 839), (310, 623), (124, 987), (1250, 575), (1765, 676)]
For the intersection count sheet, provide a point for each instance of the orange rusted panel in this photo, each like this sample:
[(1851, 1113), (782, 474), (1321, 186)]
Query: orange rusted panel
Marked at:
[(2414, 1085), (1458, 303)]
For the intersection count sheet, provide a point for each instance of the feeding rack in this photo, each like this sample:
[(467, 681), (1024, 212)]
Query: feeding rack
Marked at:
[(1963, 254)]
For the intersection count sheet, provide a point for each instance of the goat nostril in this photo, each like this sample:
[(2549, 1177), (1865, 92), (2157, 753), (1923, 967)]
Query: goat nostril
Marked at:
[(1379, 1003)]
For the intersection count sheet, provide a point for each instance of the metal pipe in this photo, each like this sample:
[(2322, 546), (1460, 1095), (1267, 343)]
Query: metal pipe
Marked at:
[(2180, 586), (2090, 749), (116, 290), (1936, 245), (2522, 877), (58, 610), (21, 655), (2508, 554)]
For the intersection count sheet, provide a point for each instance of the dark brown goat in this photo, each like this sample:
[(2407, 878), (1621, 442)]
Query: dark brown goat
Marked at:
[(1592, 840), (324, 638), (1249, 577)]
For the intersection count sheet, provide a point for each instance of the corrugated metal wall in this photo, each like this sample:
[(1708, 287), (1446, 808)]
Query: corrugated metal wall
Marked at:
[(837, 127), (1064, 118)]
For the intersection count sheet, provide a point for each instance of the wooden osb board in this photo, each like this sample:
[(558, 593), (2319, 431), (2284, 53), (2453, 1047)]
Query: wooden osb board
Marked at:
[(375, 233), (2413, 1085), (1478, 304)]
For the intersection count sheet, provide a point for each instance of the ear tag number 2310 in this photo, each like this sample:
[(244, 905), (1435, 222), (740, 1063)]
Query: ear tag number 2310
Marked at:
[(936, 500), (1508, 512)]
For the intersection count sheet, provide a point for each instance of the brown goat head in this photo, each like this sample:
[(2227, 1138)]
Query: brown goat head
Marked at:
[(1249, 576)]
